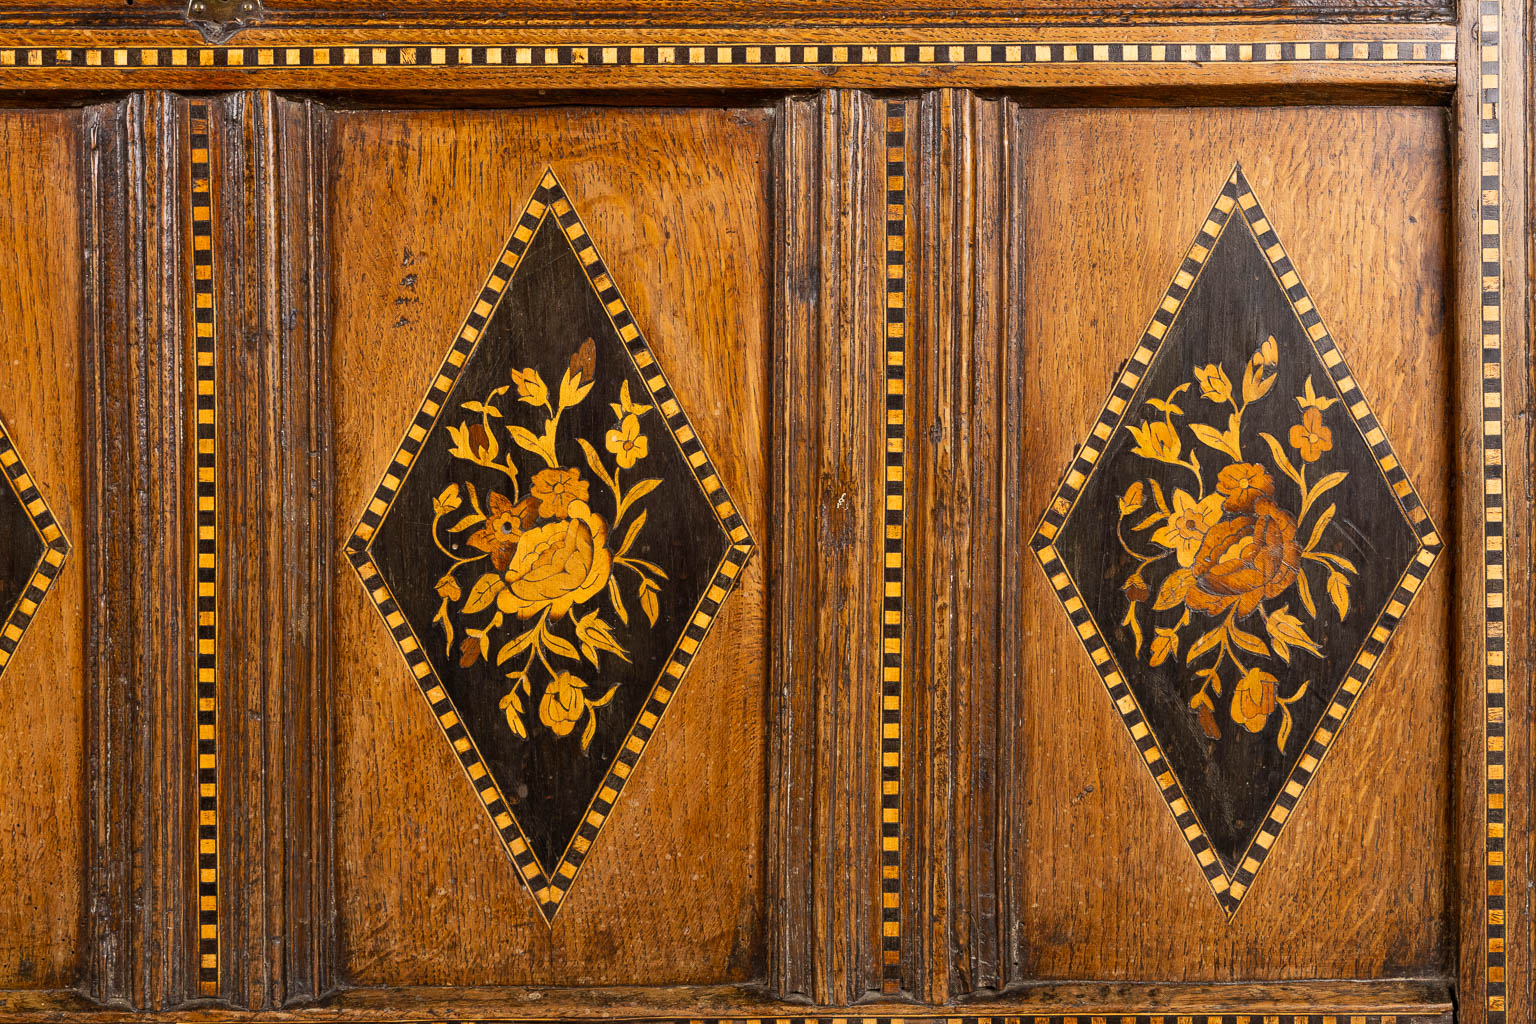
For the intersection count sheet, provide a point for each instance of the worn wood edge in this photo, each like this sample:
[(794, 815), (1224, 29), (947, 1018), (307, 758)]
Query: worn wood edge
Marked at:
[(1423, 1000), (311, 951), (825, 813), (790, 764), (968, 259), (140, 733), (277, 939), (725, 12), (942, 356)]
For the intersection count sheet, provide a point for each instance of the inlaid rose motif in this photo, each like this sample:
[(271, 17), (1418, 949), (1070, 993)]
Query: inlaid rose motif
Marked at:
[(1233, 544), (557, 565), (545, 558)]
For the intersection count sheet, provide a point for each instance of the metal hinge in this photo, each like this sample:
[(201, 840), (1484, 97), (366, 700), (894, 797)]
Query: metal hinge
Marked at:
[(217, 20)]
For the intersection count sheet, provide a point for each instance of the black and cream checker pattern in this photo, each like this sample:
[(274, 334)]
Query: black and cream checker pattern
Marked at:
[(1237, 199), (1183, 1017), (894, 569), (206, 600), (55, 549), (550, 884), (1490, 303), (744, 54)]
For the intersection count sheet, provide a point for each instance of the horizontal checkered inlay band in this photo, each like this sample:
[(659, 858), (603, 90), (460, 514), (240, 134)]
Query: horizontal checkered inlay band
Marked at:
[(730, 54), (1180, 1017)]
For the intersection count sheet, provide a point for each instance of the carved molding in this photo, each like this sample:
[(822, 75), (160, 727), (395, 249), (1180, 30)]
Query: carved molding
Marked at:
[(140, 733), (829, 501), (277, 938)]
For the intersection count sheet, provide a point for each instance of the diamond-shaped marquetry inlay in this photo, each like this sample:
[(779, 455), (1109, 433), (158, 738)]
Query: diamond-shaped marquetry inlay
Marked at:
[(32, 549), (1235, 542), (550, 545)]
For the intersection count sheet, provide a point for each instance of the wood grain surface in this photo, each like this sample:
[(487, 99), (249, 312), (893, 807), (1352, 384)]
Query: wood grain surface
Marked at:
[(168, 13), (422, 203), (794, 12), (42, 804), (1359, 883)]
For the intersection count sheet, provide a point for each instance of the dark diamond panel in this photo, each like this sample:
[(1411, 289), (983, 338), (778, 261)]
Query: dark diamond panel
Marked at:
[(1235, 542), (556, 547)]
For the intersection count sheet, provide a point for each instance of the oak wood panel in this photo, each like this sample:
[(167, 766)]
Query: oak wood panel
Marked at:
[(42, 804), (676, 201), (1358, 885)]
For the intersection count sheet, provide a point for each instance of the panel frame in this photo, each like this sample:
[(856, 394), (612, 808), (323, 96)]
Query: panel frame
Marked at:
[(1389, 59), (1488, 86), (1494, 119)]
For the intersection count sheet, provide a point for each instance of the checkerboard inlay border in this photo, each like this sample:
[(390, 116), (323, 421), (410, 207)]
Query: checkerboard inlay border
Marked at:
[(206, 598), (1088, 1017), (549, 887), (894, 569), (741, 54), (1236, 198), (1490, 302), (16, 619)]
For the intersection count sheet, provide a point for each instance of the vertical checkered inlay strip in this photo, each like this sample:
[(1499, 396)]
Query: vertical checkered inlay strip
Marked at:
[(1493, 509), (895, 533), (207, 562)]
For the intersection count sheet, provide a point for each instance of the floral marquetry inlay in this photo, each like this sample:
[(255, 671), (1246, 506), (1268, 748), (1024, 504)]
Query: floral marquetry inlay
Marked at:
[(550, 545), (1235, 542), (539, 571), (1231, 548)]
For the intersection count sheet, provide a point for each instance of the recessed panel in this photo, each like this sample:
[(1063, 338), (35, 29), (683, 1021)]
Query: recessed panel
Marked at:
[(1235, 542), (1237, 428), (549, 384), (41, 630), (550, 545)]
